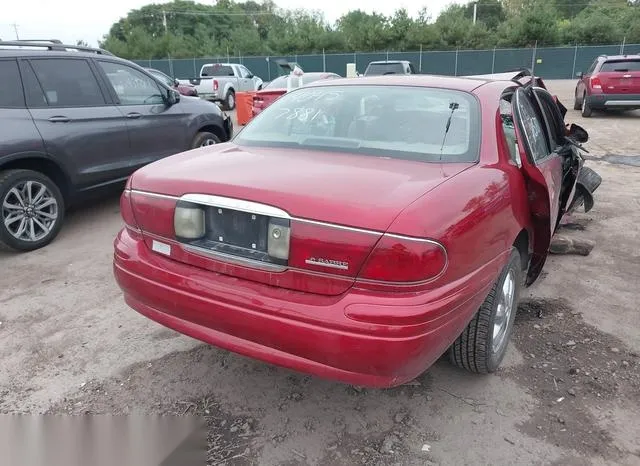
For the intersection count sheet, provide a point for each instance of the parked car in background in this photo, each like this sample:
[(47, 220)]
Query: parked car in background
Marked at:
[(72, 123), (274, 89), (219, 82), (182, 88), (385, 67), (383, 222), (610, 83)]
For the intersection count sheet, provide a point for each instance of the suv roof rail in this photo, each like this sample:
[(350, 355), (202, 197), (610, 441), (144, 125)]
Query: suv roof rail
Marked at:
[(53, 45), (53, 41)]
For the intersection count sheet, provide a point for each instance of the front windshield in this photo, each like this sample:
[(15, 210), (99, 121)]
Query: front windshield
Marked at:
[(390, 121)]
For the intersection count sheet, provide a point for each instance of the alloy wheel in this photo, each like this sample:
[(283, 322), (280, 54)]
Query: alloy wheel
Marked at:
[(503, 312), (29, 211)]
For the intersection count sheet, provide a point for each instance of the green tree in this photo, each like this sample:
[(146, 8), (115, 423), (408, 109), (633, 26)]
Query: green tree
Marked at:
[(593, 26), (535, 22), (490, 12), (364, 32), (456, 30)]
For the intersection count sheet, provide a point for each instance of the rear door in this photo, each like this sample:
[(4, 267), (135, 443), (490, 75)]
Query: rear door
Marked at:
[(77, 119), (156, 129), (542, 168), (620, 76), (18, 133)]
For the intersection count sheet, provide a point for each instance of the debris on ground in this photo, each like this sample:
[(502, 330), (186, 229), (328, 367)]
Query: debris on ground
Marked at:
[(565, 245)]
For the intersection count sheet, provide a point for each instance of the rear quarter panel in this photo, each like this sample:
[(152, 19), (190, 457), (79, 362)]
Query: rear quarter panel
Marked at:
[(477, 214), (18, 134)]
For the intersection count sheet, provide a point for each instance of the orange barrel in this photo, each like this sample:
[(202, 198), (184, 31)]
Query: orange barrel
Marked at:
[(244, 105)]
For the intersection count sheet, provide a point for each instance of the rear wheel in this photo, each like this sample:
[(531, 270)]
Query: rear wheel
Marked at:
[(576, 102), (204, 138), (31, 210), (482, 345), (586, 108), (230, 100)]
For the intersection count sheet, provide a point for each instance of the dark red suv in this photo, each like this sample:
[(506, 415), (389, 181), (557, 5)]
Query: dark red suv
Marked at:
[(612, 82)]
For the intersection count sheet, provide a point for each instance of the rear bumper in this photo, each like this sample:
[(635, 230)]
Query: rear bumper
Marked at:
[(304, 332), (614, 101)]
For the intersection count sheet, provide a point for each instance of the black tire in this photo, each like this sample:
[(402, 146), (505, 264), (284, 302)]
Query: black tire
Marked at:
[(577, 105), (230, 100), (204, 138), (586, 108), (474, 349), (9, 238)]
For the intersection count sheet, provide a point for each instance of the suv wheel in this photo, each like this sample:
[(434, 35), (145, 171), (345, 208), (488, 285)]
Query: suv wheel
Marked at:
[(586, 108), (31, 210), (482, 345), (203, 139), (230, 101)]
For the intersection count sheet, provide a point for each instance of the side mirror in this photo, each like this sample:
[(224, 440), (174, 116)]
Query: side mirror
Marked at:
[(578, 133), (176, 82), (173, 97), (579, 74)]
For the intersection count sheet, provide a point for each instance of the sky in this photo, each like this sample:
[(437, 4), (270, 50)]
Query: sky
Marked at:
[(72, 20)]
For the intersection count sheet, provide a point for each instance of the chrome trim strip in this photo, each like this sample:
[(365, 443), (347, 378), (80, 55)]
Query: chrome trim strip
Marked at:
[(326, 264), (413, 238), (339, 227), (236, 204), (622, 103), (148, 194), (233, 259)]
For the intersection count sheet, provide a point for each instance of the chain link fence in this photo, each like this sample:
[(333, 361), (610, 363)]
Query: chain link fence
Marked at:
[(547, 62)]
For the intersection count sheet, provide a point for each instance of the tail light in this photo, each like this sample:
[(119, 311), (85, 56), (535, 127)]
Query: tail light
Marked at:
[(596, 83), (154, 214), (126, 211), (215, 84), (323, 248), (404, 260), (378, 261)]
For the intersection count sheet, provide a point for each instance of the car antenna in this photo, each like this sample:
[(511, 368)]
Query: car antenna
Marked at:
[(453, 106)]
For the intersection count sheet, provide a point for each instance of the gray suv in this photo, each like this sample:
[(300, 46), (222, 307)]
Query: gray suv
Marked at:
[(74, 120)]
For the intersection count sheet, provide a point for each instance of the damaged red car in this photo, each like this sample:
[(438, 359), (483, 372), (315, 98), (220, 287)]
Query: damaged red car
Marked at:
[(358, 229)]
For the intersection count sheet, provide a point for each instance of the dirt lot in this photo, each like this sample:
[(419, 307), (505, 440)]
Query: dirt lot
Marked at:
[(569, 392)]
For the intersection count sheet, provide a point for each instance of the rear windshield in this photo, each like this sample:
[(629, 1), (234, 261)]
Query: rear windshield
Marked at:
[(377, 69), (217, 70), (281, 82), (414, 123), (621, 65)]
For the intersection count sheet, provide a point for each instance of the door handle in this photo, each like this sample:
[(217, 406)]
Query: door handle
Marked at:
[(134, 115), (59, 119)]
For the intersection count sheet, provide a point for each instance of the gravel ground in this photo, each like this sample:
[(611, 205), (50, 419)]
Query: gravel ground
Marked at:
[(568, 394)]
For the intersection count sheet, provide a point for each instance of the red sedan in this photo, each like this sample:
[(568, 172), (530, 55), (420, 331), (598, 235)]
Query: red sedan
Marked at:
[(274, 89), (357, 229)]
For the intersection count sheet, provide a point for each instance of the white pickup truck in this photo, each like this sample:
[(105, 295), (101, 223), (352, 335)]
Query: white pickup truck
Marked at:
[(219, 82)]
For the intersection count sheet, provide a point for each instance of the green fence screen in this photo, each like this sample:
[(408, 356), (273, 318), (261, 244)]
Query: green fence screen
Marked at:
[(549, 63)]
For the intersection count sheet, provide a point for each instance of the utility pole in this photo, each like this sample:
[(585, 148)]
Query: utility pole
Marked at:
[(475, 12), (164, 21), (15, 28)]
